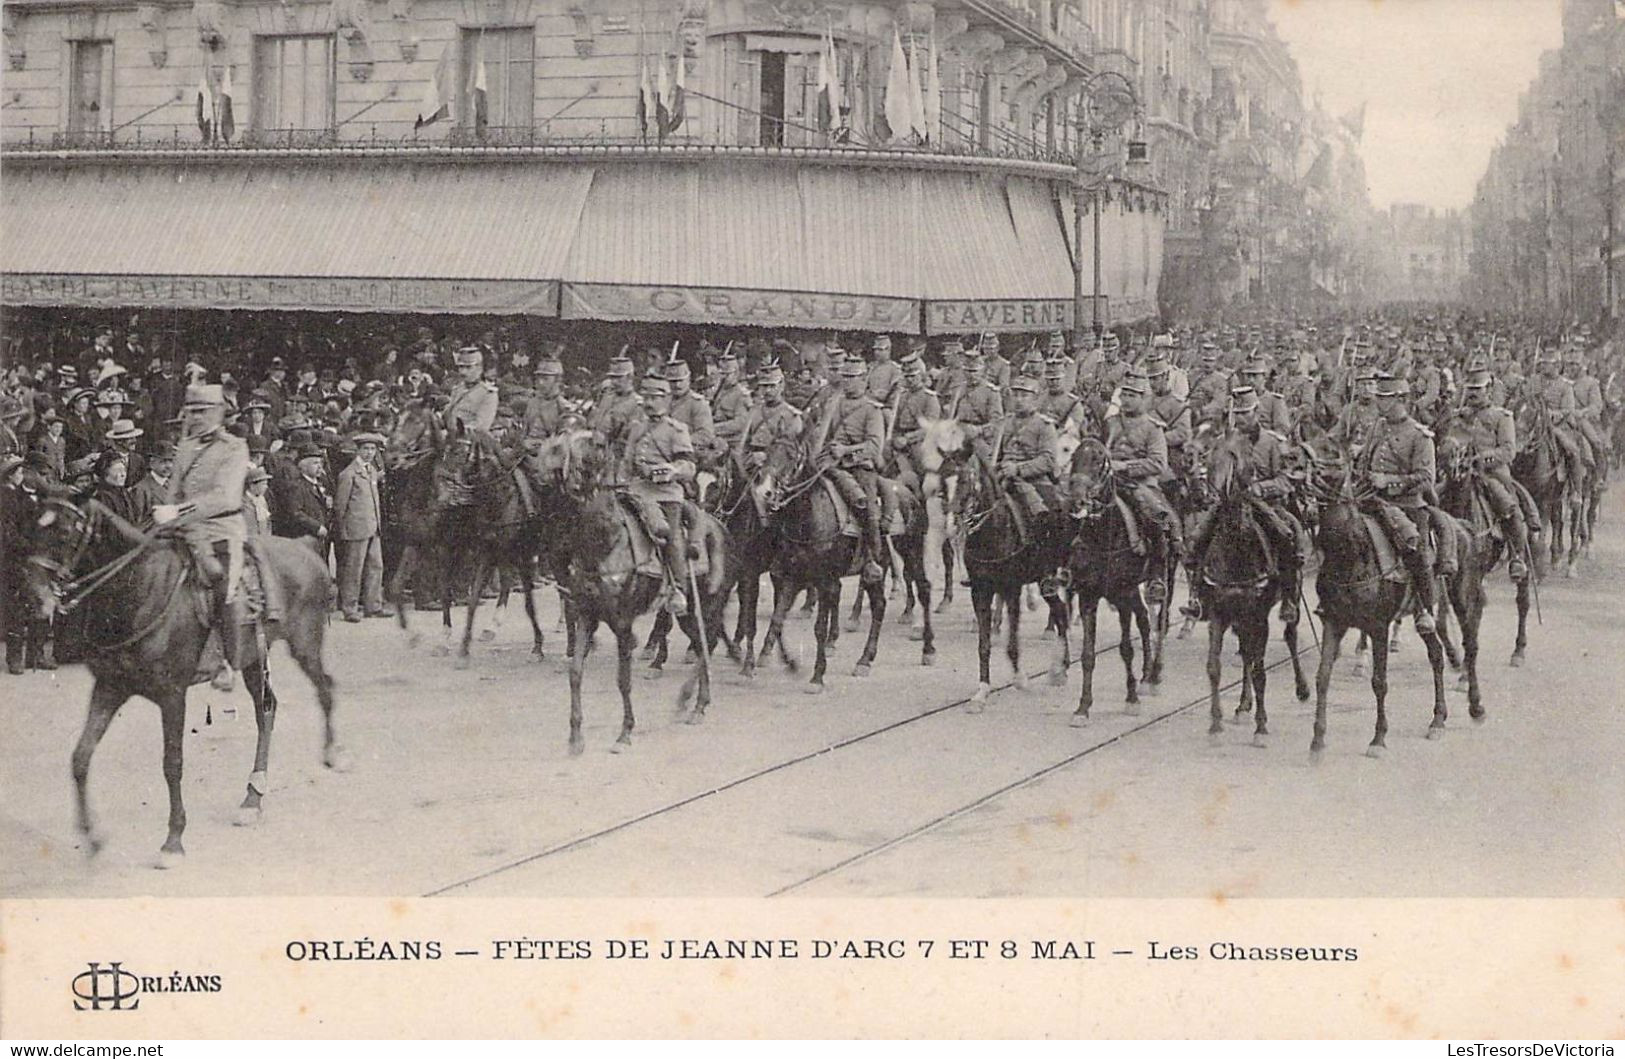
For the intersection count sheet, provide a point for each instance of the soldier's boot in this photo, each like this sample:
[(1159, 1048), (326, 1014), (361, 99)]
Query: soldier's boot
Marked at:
[(1531, 510), (1291, 582), (1156, 562), (869, 515), (47, 654), (15, 644), (1194, 552), (675, 552), (1416, 565), (1444, 531), (1517, 535)]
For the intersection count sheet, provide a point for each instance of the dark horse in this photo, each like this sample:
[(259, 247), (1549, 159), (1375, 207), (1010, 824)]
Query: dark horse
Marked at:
[(1356, 593), (1103, 565), (145, 633), (599, 573), (1000, 557), (1239, 583), (812, 552), (412, 460), (1541, 469), (1462, 494)]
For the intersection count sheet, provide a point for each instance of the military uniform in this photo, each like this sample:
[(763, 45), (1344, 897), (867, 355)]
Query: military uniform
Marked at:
[(1066, 408), (1588, 413), (1173, 415), (1493, 439), (884, 379), (1139, 451), (730, 406), (766, 426), (1355, 424), (613, 415), (853, 437), (694, 412), (1399, 460), (1210, 396), (473, 404), (1025, 445), (543, 417), (978, 406), (658, 464), (1557, 396), (907, 431)]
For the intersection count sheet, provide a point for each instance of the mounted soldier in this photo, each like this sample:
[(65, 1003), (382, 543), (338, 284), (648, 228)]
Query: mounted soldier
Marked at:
[(1588, 404), (1556, 395), (995, 366), (1359, 417), (917, 402), (1271, 485), (1492, 443), (1065, 410), (544, 415), (730, 403), (694, 412), (1210, 389), (657, 468), (618, 406), (885, 375), (473, 399), (979, 403), (1168, 410), (1273, 413), (1399, 463), (772, 420), (205, 501), (852, 434), (1022, 453), (1055, 353), (1139, 458)]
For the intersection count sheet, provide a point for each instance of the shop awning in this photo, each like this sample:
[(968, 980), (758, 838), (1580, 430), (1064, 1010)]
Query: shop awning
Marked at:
[(432, 238)]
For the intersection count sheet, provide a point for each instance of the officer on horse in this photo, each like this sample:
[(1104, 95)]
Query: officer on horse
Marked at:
[(205, 502), (1398, 461), (473, 398), (854, 430), (1139, 457), (1023, 453), (1492, 443), (658, 467), (916, 402)]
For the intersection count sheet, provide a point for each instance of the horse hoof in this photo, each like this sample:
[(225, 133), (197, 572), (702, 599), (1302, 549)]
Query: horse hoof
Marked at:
[(696, 717), (1079, 720), (1463, 684), (95, 842), (1317, 756), (1303, 693), (577, 746), (1019, 682), (1375, 751), (1478, 716), (247, 816), (1435, 733), (814, 689), (1131, 706), (1261, 740), (487, 635), (928, 659), (439, 650), (1215, 739), (860, 670), (169, 858), (620, 746), (461, 663), (337, 759), (414, 640), (1057, 677), (850, 625), (1516, 662)]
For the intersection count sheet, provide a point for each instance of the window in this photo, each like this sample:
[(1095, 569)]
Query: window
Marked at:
[(509, 59), (90, 92), (293, 84)]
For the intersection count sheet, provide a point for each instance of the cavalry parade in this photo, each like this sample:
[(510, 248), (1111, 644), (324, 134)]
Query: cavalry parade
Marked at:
[(167, 522)]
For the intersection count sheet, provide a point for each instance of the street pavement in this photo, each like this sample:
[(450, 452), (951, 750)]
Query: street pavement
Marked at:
[(461, 782)]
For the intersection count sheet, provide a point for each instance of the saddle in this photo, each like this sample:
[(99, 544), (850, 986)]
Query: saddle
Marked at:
[(1136, 539), (1388, 561), (250, 588), (648, 554), (891, 515)]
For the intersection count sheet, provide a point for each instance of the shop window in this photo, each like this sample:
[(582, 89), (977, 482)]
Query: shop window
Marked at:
[(293, 85), (90, 92), (509, 58)]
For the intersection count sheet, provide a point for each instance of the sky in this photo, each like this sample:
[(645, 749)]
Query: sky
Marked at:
[(1441, 80)]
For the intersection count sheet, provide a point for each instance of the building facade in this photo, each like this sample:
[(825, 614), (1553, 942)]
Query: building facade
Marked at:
[(785, 163)]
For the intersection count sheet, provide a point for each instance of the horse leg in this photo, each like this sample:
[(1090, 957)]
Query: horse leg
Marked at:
[(1289, 632), (257, 679), (105, 700), (1379, 687), (1059, 619), (1014, 601), (1452, 656), (834, 631), (304, 636), (877, 616), (784, 594), (920, 585), (1215, 671), (947, 572), (1255, 639), (1125, 648), (1331, 639), (856, 611), (829, 607), (580, 630), (1360, 653), (1441, 711), (981, 601), (529, 588), (1522, 641), (660, 630), (749, 590), (476, 585), (1471, 615), (172, 713), (403, 571), (1087, 606), (625, 642), (1151, 671), (697, 687)]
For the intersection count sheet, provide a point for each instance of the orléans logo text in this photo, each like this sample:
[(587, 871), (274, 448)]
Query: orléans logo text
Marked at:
[(109, 987)]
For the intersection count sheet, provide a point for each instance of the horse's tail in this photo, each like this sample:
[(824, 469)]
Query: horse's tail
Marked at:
[(716, 552)]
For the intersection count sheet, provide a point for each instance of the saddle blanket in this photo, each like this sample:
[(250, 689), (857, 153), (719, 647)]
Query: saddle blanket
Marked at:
[(891, 515)]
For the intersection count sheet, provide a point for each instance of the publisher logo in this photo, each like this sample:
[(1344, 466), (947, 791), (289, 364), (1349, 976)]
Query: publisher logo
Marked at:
[(106, 988)]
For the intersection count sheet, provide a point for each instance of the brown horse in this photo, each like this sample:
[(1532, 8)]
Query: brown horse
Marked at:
[(599, 573), (1355, 593), (1541, 469), (145, 633)]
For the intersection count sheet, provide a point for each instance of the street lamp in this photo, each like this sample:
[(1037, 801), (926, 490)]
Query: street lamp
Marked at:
[(1109, 103)]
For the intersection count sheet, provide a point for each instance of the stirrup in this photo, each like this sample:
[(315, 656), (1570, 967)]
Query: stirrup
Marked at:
[(1517, 568), (1289, 610), (1156, 592)]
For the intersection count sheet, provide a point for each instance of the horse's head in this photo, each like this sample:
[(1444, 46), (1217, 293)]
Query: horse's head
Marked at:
[(1231, 463), (57, 540), (943, 440), (416, 434), (785, 458), (574, 461), (1090, 481)]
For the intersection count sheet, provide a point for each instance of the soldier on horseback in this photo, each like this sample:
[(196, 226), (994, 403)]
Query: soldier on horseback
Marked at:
[(617, 407), (1398, 461), (1271, 485), (772, 420), (473, 398), (658, 466), (1359, 416), (1556, 395), (206, 490), (1139, 457), (1061, 406), (693, 411), (544, 415), (730, 404), (917, 402), (1273, 413), (1170, 412), (854, 432), (1588, 403), (1210, 390), (1023, 453), (979, 403), (1492, 444)]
